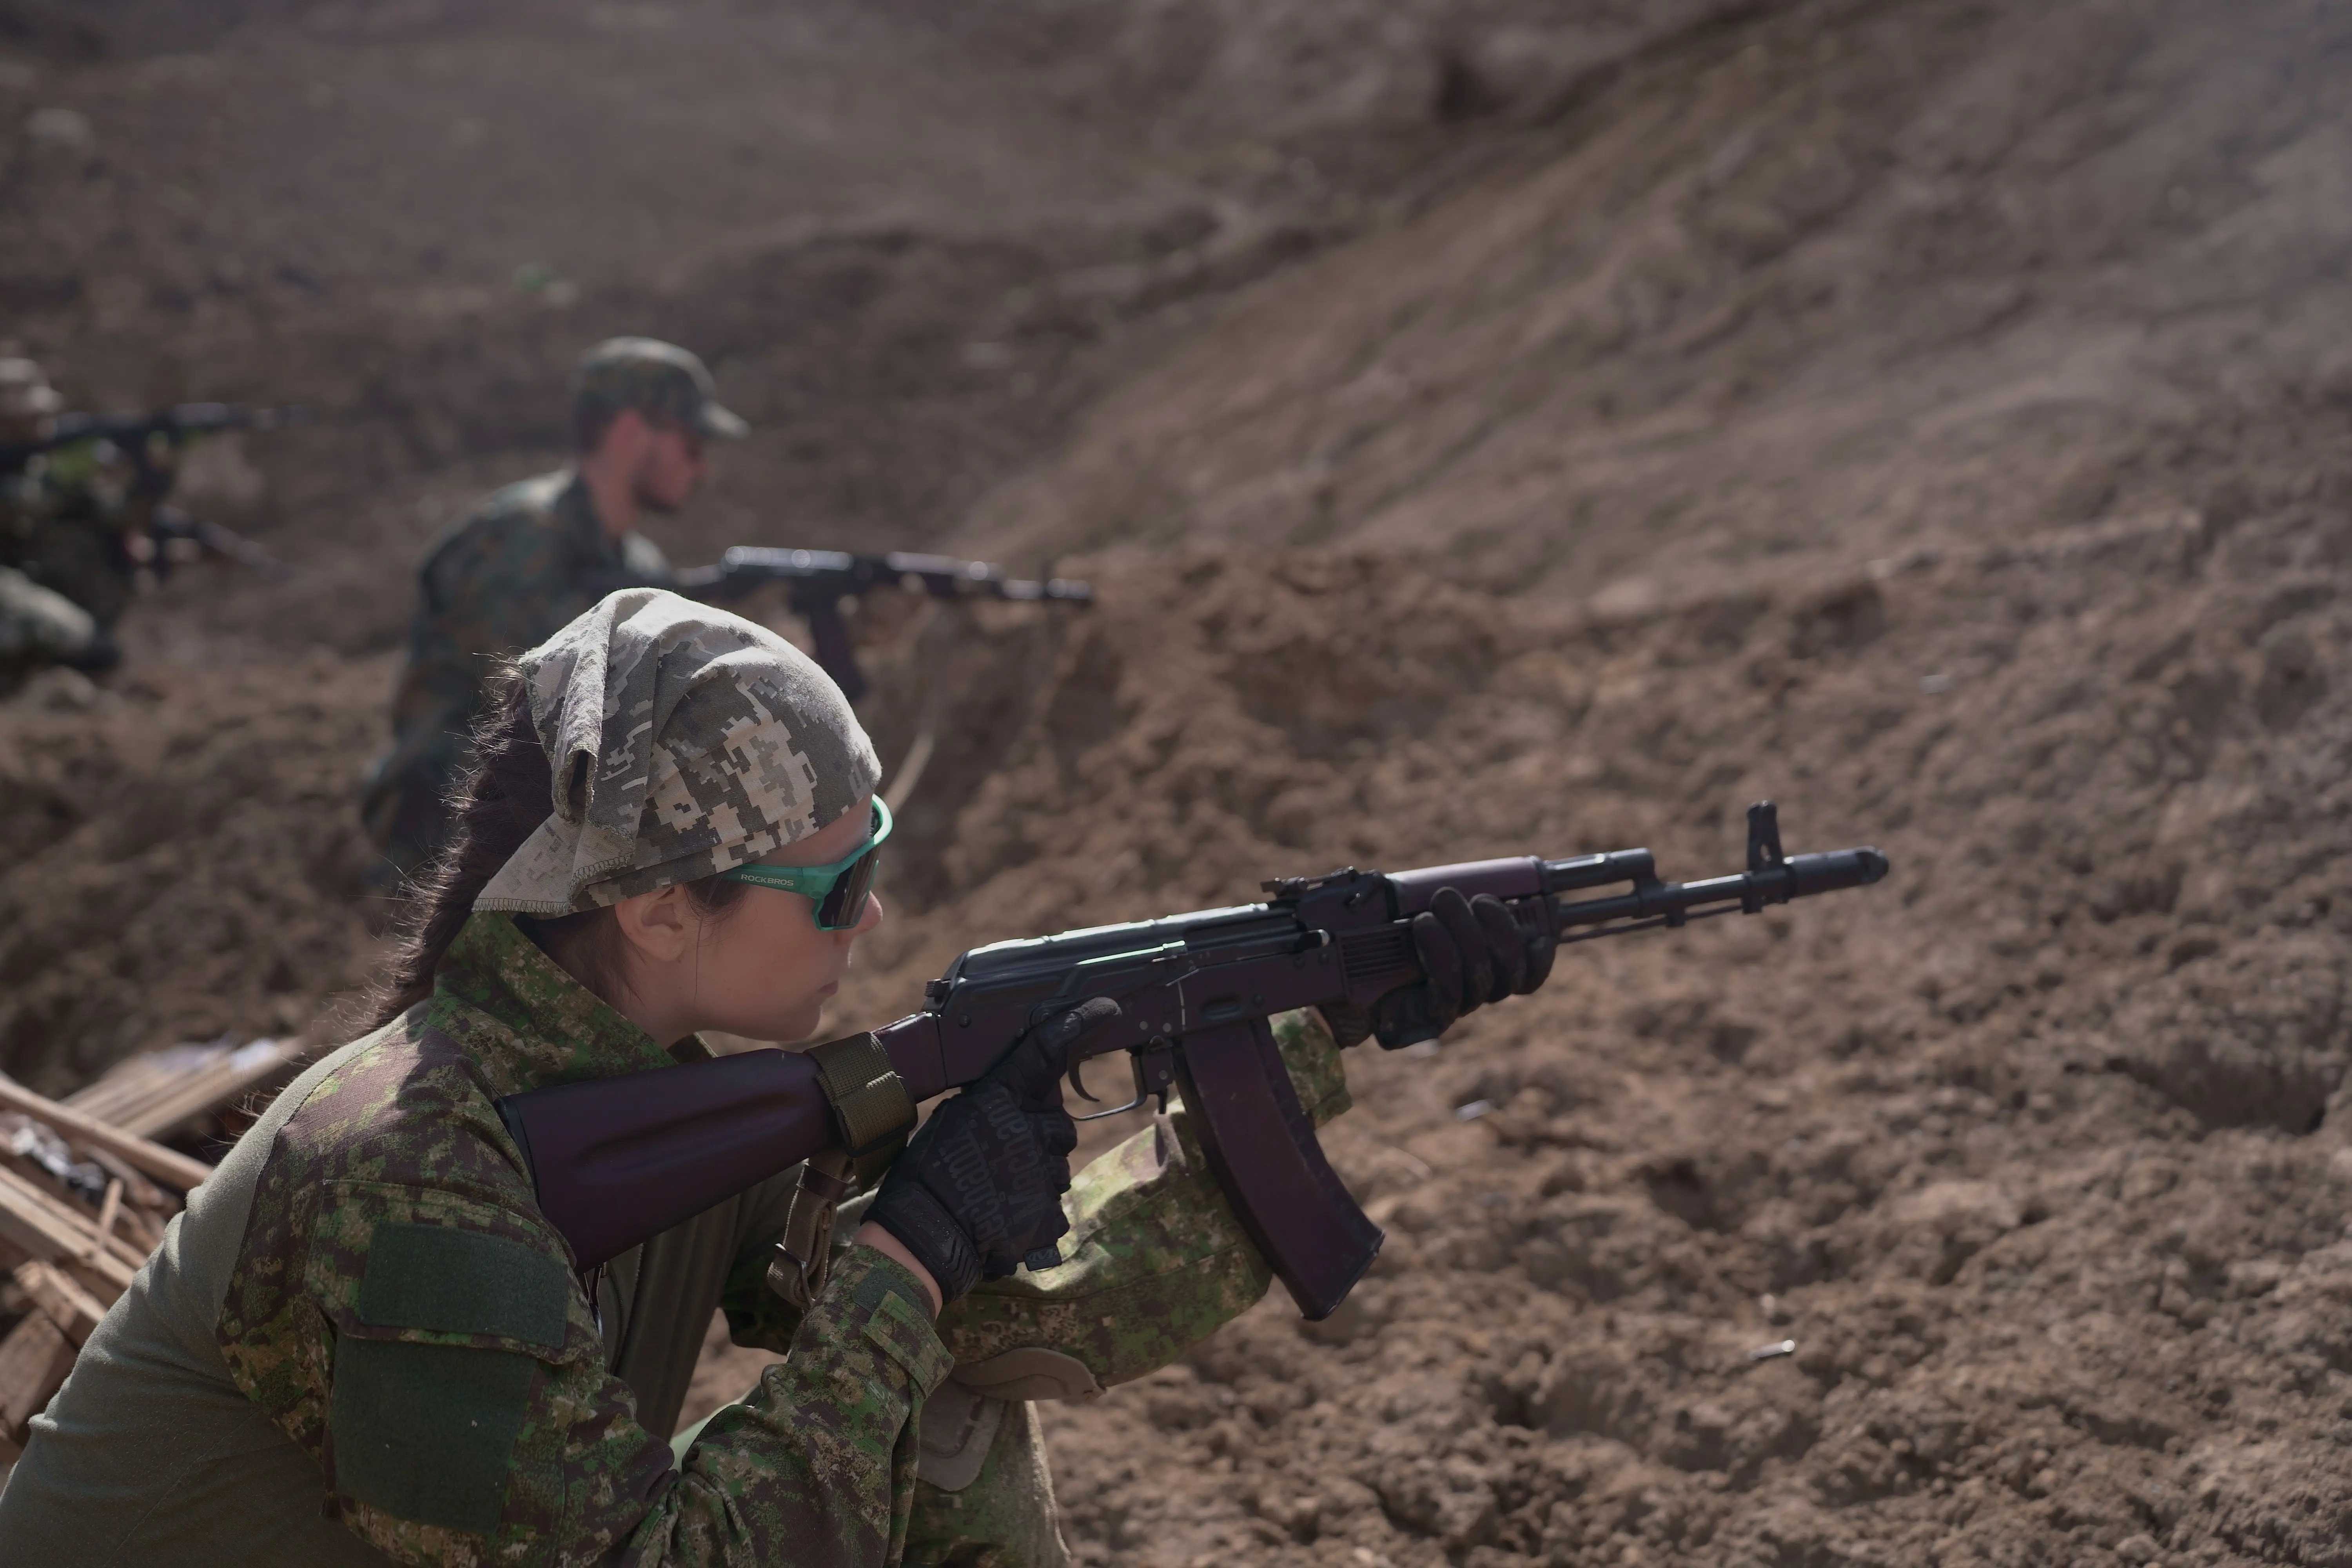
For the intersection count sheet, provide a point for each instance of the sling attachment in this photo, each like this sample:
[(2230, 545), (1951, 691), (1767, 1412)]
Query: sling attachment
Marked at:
[(871, 1108), (872, 1113), (804, 1256)]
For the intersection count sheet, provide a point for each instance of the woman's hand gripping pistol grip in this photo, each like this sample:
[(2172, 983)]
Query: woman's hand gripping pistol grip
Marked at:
[(978, 1191)]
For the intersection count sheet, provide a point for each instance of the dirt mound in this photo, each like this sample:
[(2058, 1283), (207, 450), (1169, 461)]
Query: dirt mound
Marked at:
[(2027, 1151), (1844, 279), (179, 858), (1489, 432)]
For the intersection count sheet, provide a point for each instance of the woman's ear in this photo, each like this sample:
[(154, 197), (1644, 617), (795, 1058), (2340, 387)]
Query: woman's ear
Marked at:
[(656, 925)]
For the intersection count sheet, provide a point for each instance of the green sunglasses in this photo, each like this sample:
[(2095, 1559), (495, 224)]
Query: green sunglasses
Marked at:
[(839, 888)]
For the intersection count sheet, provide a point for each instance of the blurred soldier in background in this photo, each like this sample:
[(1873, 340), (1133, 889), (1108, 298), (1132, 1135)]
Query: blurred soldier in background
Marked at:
[(528, 560), (85, 516), (59, 593)]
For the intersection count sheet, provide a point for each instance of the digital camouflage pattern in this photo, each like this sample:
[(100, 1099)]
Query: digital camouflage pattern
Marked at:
[(530, 559), (403, 1313), (1158, 1262), (685, 740), (1005, 1518), (398, 1295), (666, 383)]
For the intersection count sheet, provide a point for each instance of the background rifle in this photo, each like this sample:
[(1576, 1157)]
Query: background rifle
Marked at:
[(149, 445), (820, 579), (138, 436), (618, 1159)]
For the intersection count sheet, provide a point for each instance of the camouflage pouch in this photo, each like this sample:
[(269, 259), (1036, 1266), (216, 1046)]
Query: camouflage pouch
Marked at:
[(442, 1333)]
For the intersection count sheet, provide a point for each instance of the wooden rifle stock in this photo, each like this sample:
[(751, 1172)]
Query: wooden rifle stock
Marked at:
[(616, 1160)]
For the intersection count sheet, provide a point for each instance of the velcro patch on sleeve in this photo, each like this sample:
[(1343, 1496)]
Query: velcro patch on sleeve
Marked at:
[(443, 1280), (898, 1330), (426, 1432)]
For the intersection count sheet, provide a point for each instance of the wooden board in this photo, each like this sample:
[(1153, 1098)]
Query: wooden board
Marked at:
[(155, 1095), (71, 1261), (55, 1232), (167, 1166), (34, 1361), (67, 1304)]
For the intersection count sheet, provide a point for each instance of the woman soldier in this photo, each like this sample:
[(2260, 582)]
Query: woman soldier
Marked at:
[(363, 1340)]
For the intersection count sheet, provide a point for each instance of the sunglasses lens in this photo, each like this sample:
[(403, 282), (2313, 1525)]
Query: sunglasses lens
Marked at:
[(844, 903)]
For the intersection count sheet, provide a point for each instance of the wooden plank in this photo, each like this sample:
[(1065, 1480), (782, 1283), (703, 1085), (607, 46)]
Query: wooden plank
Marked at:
[(167, 1166), (53, 1233), (70, 1307), (128, 1096), (103, 1279), (34, 1361), (126, 1092), (157, 1094), (69, 1217), (108, 1212), (32, 1226), (145, 1197), (142, 1231)]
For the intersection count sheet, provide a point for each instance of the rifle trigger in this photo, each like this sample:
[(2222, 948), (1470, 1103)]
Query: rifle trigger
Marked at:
[(1079, 1083)]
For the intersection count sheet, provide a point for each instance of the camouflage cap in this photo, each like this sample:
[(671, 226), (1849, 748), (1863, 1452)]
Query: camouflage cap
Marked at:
[(25, 392), (657, 379), (683, 741)]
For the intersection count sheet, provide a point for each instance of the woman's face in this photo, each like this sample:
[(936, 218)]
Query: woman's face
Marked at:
[(760, 969)]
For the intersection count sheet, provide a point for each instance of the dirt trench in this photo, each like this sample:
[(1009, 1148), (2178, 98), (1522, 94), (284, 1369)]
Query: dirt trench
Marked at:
[(2034, 1155), (1490, 433)]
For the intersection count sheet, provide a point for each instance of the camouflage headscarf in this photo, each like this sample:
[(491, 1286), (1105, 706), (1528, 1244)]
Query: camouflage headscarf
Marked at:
[(683, 741)]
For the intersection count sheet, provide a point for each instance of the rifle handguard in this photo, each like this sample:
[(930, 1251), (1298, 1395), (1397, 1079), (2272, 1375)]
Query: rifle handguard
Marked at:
[(871, 1108)]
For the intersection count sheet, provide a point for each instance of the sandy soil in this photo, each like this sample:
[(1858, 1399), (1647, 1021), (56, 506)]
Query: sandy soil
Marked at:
[(1490, 433)]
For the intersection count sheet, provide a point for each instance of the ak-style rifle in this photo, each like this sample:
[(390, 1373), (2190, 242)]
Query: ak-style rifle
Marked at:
[(820, 579), (149, 445), (135, 434), (618, 1159)]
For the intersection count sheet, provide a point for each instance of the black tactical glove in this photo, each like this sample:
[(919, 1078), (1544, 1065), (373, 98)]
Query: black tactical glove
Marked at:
[(978, 1191), (1473, 953)]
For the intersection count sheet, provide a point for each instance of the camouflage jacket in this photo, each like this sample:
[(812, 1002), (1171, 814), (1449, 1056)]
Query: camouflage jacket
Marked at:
[(63, 519), (401, 1310), (528, 560)]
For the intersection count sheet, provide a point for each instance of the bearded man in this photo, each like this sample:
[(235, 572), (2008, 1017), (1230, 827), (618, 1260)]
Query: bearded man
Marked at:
[(526, 562)]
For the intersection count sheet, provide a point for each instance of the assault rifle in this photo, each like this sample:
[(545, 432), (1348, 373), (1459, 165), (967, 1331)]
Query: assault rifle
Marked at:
[(822, 579), (616, 1160), (149, 444), (136, 433)]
